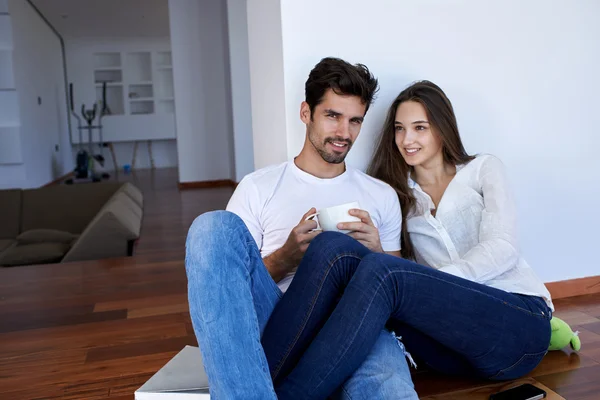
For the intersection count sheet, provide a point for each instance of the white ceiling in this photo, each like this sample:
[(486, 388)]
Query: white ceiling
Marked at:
[(107, 18)]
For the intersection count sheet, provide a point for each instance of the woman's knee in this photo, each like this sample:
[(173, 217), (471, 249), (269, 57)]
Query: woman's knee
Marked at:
[(386, 265), (332, 244)]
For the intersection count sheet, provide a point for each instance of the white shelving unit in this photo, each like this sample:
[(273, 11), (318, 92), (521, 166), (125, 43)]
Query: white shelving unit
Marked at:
[(165, 95), (163, 59), (107, 68), (139, 66), (141, 85), (139, 92)]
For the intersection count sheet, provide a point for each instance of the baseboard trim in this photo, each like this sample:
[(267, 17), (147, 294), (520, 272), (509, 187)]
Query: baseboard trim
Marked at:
[(574, 287), (59, 180), (207, 184)]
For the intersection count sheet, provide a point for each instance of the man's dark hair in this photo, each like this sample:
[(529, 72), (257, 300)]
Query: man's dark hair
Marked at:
[(343, 78)]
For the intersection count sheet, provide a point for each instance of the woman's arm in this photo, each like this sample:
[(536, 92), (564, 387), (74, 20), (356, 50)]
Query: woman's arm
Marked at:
[(497, 250)]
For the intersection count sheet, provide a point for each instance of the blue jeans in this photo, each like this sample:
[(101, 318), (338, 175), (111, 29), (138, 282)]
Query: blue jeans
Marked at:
[(231, 297), (343, 294)]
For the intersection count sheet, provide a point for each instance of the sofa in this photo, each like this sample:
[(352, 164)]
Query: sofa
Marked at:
[(65, 223)]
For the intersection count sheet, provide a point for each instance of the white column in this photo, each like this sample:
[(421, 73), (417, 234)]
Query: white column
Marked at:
[(266, 82), (201, 83), (237, 22)]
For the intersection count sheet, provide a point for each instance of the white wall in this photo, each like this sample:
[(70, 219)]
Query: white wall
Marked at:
[(237, 23), (38, 73), (202, 93), (268, 90), (523, 80), (7, 79), (12, 170), (80, 67), (164, 154)]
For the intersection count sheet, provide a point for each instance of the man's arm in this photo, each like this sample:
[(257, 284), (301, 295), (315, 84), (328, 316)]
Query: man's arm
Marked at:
[(282, 261), (278, 264)]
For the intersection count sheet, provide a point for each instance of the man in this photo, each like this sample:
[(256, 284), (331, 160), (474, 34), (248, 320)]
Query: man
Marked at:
[(240, 261)]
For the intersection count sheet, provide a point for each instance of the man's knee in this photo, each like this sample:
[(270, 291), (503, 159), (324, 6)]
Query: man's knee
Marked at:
[(212, 226), (207, 239), (212, 220)]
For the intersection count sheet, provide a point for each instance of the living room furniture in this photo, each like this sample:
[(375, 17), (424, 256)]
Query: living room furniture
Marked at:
[(63, 223)]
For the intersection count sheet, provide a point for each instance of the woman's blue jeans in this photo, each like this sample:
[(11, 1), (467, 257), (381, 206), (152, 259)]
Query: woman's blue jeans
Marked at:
[(343, 294)]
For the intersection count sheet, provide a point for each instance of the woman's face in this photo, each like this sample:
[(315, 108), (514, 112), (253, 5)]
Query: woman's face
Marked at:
[(416, 138)]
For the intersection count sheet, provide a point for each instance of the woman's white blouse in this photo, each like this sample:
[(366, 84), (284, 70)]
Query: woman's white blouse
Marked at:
[(474, 232)]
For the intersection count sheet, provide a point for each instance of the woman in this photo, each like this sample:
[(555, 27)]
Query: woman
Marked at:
[(470, 304)]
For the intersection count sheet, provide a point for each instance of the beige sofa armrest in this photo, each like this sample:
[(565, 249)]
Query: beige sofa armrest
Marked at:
[(109, 233), (133, 192)]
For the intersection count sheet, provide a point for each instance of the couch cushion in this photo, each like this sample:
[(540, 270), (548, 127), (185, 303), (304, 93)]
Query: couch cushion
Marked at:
[(64, 207), (46, 235), (114, 226), (133, 192), (6, 243), (36, 253), (10, 213)]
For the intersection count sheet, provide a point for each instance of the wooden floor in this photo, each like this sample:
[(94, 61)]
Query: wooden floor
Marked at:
[(97, 330)]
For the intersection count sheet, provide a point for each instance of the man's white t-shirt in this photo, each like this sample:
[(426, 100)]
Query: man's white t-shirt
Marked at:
[(272, 201)]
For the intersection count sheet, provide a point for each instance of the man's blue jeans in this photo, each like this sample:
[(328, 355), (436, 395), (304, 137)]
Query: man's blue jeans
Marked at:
[(232, 296), (343, 294)]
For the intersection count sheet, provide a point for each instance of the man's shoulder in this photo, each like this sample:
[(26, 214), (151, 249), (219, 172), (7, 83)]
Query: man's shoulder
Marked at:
[(266, 175), (373, 184)]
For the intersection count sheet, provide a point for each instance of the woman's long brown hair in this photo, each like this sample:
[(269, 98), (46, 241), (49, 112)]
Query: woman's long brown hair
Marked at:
[(389, 165)]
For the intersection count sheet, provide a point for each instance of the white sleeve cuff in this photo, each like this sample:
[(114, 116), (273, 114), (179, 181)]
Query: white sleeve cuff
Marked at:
[(453, 270), (391, 246)]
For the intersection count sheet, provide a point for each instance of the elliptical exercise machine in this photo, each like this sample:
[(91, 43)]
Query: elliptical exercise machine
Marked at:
[(85, 162)]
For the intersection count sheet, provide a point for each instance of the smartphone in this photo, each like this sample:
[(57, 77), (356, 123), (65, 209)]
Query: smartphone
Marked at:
[(523, 392)]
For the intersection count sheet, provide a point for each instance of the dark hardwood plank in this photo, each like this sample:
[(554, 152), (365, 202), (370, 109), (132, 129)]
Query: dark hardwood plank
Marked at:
[(113, 388), (89, 376), (594, 327), (560, 361), (576, 317), (21, 321), (53, 392), (123, 388), (140, 348), (142, 303), (572, 383), (484, 392), (160, 310), (114, 332)]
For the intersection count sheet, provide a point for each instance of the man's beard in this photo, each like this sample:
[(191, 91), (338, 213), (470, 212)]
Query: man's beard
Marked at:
[(332, 158)]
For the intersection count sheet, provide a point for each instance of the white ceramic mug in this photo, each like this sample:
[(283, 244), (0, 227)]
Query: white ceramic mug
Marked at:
[(328, 218)]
